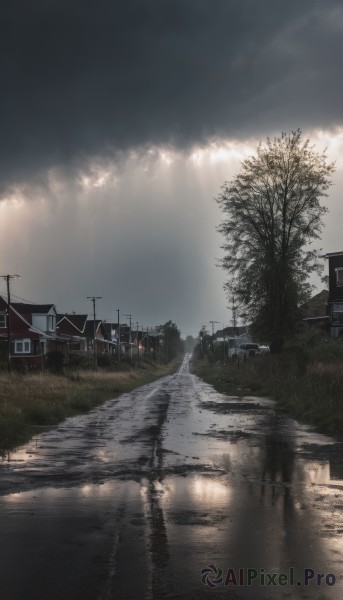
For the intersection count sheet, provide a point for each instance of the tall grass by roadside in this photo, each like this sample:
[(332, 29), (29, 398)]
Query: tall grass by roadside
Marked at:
[(35, 400), (306, 379)]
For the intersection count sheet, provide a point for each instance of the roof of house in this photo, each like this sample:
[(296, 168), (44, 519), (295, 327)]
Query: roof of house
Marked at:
[(314, 319), (329, 254), (89, 328), (323, 295), (77, 321), (35, 309), (3, 303), (316, 303), (108, 328), (22, 310)]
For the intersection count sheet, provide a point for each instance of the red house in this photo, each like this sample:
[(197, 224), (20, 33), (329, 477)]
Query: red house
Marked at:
[(32, 333)]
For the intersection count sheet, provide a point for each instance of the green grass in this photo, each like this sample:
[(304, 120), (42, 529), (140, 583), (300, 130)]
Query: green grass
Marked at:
[(43, 399)]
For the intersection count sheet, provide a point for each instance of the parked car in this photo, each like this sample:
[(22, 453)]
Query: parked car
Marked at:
[(264, 349), (248, 350)]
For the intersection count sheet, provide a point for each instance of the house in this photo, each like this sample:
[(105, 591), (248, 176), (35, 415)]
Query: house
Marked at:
[(231, 339), (315, 312), (109, 334), (78, 332), (72, 327), (335, 301), (32, 333), (37, 330), (126, 336), (95, 330), (231, 331)]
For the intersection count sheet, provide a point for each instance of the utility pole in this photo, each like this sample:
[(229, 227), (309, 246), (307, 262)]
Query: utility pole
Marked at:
[(130, 338), (93, 300), (119, 345), (8, 278)]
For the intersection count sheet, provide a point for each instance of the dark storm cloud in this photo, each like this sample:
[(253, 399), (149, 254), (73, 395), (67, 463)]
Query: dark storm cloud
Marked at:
[(82, 78)]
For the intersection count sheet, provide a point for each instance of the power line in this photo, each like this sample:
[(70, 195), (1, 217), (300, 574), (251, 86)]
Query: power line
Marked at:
[(19, 297)]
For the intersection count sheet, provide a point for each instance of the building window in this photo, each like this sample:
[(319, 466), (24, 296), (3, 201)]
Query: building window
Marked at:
[(75, 347), (337, 313), (337, 318), (3, 320), (51, 322), (339, 277), (41, 346), (22, 346)]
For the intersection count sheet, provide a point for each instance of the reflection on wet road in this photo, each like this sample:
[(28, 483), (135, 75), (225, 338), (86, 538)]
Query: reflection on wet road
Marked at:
[(135, 498)]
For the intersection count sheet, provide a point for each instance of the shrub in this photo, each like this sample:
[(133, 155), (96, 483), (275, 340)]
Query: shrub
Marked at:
[(55, 361)]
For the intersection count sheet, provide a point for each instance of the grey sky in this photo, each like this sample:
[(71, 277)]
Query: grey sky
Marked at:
[(95, 95)]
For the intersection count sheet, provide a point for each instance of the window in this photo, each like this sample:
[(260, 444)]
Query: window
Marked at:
[(337, 313), (3, 319), (41, 346), (51, 322), (339, 276), (22, 346), (75, 347)]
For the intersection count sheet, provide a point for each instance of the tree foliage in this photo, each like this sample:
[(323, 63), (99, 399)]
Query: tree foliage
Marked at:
[(171, 340), (272, 214), (203, 343)]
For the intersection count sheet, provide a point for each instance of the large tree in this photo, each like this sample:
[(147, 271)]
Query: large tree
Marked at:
[(271, 216)]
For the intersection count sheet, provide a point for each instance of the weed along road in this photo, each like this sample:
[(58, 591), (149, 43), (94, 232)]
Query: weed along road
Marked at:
[(173, 491)]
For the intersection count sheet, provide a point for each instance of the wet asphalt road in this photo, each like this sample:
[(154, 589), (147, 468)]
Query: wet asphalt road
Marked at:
[(136, 498)]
